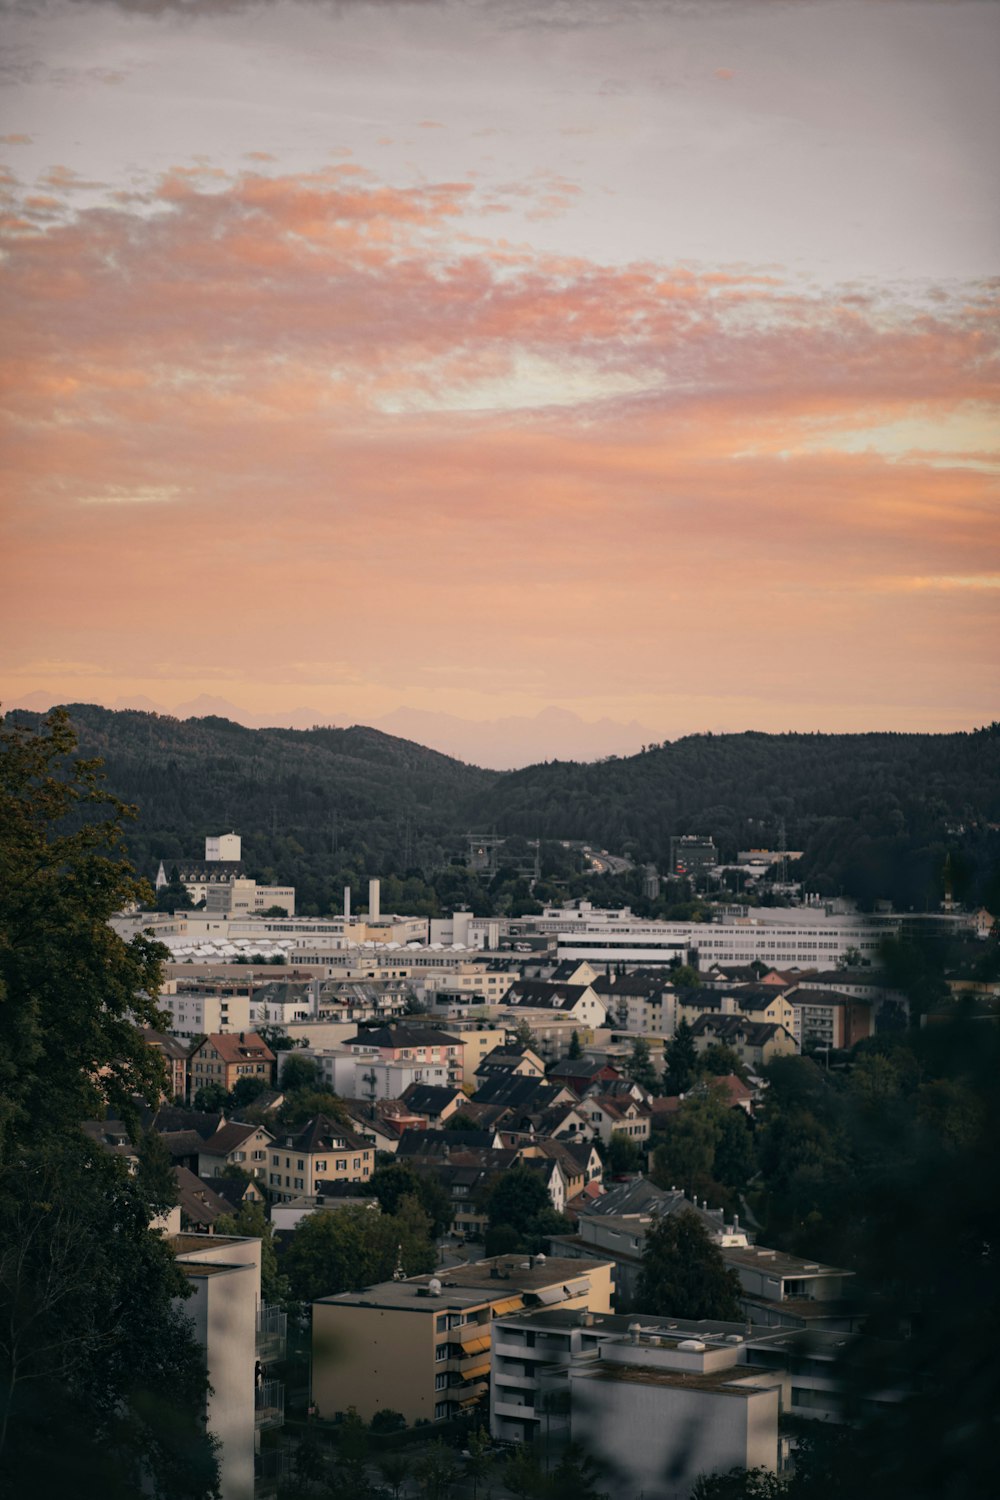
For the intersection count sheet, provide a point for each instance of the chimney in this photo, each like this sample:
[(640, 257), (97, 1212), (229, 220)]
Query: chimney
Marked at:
[(374, 911), (347, 903)]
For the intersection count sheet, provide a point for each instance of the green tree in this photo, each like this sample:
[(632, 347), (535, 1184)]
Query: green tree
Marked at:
[(685, 978), (639, 1066), (305, 1104), (299, 1073), (436, 1472), (387, 1420), (739, 1484), (211, 1099), (683, 1274), (523, 1474), (480, 1461), (352, 1457), (577, 1476), (680, 1057), (734, 1154), (251, 1221), (394, 1468), (623, 1154), (397, 1180), (523, 1034), (156, 1171), (246, 1090), (516, 1198), (685, 1157), (102, 1382), (575, 1049), (349, 1248), (719, 1061)]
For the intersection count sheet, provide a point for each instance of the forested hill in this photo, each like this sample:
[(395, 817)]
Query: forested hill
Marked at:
[(313, 806), (876, 814)]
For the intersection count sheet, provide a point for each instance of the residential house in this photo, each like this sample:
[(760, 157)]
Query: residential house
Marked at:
[(619, 1116), (226, 1058), (436, 1103), (175, 1054), (199, 1204), (429, 1051), (582, 1073), (322, 1151), (756, 1042), (235, 1145), (577, 1002)]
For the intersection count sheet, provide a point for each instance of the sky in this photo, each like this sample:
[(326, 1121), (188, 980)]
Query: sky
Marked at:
[(530, 378)]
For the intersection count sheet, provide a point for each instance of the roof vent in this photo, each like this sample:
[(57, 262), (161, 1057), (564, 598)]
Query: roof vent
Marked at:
[(434, 1287), (691, 1346)]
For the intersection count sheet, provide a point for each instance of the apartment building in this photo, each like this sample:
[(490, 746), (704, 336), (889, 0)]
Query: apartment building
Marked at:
[(422, 1346), (241, 1337), (658, 1401)]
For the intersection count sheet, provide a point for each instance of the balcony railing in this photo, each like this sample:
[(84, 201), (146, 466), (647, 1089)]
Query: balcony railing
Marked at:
[(269, 1404), (272, 1331)]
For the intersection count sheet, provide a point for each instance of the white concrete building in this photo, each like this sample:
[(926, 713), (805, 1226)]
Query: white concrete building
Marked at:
[(227, 846), (659, 1401), (236, 1332)]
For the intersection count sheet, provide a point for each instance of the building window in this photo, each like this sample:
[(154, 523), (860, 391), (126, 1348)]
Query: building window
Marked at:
[(441, 1380), (321, 1166), (342, 1164), (275, 1162), (298, 1183)]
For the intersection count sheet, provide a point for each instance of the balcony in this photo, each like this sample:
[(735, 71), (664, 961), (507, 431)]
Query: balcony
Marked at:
[(269, 1405), (272, 1329), (513, 1408)]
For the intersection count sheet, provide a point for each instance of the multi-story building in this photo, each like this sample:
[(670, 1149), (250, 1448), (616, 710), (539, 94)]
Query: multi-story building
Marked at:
[(322, 1151), (823, 1019), (757, 1042), (197, 1009), (420, 1045), (225, 1058), (176, 1059), (657, 1401), (241, 1338), (422, 1346), (692, 855)]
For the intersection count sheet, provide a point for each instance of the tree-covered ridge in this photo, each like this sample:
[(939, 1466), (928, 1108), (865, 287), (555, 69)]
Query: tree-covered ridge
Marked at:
[(876, 815)]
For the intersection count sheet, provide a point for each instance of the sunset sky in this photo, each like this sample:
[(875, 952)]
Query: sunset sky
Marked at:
[(632, 358)]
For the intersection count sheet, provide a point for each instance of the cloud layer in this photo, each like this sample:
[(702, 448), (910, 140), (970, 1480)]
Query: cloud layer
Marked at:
[(255, 421)]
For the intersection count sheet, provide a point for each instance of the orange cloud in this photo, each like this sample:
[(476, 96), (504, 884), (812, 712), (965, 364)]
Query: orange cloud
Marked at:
[(327, 398)]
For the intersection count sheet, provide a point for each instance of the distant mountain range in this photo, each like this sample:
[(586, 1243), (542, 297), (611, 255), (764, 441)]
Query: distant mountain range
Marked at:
[(499, 744)]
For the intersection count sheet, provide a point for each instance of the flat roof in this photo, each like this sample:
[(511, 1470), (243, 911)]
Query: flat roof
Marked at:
[(724, 1382), (408, 1297), (760, 1258), (515, 1273), (470, 1285), (190, 1244)]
